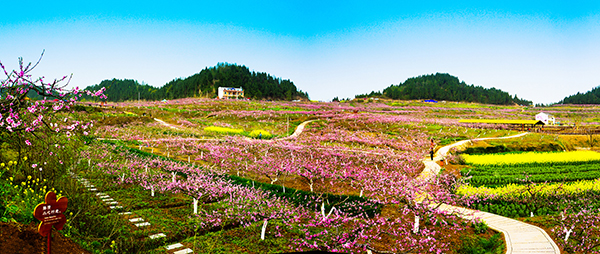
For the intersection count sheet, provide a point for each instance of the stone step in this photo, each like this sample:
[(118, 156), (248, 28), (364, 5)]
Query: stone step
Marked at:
[(136, 220), (174, 246), (155, 236), (143, 224), (184, 251)]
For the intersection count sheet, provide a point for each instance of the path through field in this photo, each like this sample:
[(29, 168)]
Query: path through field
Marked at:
[(520, 237), (166, 124)]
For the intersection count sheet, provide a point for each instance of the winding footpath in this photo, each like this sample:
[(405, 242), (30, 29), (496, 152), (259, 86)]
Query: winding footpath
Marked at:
[(520, 237)]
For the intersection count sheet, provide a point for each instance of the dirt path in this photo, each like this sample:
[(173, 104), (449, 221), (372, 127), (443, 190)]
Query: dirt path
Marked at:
[(432, 168), (166, 124), (296, 133), (520, 237)]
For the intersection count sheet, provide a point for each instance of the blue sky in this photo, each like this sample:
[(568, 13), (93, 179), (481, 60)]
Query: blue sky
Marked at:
[(539, 50)]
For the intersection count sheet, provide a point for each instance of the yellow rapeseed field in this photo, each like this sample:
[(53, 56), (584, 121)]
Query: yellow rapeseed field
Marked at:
[(517, 190), (223, 130), (531, 157)]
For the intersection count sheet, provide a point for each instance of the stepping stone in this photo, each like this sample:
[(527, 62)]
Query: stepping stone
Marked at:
[(136, 220), (104, 197), (174, 246), (125, 213), (184, 251), (112, 203), (93, 189), (155, 236), (142, 224), (100, 194), (90, 186), (115, 207)]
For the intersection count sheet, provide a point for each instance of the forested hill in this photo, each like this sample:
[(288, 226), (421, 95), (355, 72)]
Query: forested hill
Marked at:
[(591, 97), (442, 86), (256, 85)]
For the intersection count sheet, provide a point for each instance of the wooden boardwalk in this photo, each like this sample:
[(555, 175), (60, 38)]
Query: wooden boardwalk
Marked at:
[(520, 237)]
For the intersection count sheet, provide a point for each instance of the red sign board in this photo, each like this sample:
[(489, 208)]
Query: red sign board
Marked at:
[(51, 213)]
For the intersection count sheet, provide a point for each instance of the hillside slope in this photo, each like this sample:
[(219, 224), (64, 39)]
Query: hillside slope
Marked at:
[(443, 86), (590, 97)]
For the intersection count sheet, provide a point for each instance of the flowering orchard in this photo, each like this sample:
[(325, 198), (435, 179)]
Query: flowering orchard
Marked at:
[(355, 172), (313, 220)]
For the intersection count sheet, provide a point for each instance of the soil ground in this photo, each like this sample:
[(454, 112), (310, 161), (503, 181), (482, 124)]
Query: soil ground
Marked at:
[(20, 238)]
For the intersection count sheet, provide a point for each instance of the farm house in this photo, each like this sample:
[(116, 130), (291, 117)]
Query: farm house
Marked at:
[(547, 119), (230, 92)]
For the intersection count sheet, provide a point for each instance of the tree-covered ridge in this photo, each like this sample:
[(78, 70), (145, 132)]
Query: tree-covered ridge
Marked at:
[(256, 85), (126, 89), (591, 97), (443, 86)]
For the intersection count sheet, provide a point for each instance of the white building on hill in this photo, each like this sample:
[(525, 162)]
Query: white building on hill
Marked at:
[(230, 92), (547, 119)]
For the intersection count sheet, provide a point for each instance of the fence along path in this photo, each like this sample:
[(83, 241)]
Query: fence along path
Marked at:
[(520, 237)]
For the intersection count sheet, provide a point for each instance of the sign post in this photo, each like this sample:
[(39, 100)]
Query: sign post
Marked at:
[(51, 214)]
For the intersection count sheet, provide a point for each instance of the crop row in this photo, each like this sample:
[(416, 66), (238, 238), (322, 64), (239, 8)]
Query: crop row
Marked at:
[(504, 174)]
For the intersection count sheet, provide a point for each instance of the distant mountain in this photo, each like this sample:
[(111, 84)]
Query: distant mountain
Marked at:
[(256, 85), (443, 86), (591, 97)]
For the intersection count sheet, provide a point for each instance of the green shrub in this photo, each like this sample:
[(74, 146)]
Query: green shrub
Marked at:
[(480, 227), (480, 245)]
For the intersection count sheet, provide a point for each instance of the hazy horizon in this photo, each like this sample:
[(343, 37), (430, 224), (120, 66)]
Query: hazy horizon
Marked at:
[(541, 51)]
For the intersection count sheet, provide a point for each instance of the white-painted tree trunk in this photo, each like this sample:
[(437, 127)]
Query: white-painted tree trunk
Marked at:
[(568, 234), (361, 193), (195, 206), (263, 230), (416, 226), (173, 174), (123, 178), (89, 162), (152, 191), (188, 159)]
